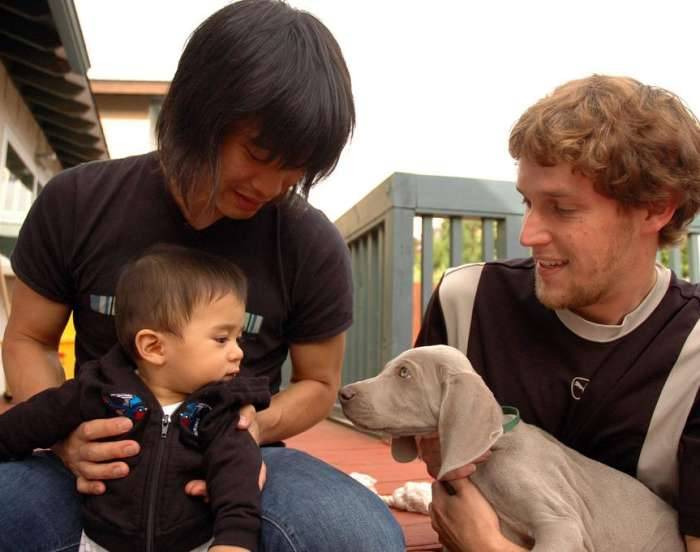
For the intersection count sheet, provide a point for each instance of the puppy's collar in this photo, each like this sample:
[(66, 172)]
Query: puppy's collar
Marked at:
[(514, 413)]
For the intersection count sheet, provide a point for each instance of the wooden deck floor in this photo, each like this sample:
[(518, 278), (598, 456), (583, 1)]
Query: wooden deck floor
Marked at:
[(352, 451)]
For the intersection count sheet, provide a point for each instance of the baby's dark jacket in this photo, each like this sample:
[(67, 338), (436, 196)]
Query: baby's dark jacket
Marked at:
[(148, 509)]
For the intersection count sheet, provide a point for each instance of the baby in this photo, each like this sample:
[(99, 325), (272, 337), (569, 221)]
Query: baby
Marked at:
[(179, 314)]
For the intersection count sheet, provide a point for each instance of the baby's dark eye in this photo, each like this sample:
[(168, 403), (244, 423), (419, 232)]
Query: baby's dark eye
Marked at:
[(221, 339), (404, 372)]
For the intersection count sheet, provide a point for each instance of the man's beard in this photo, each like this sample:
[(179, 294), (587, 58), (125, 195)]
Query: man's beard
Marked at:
[(590, 288), (572, 298)]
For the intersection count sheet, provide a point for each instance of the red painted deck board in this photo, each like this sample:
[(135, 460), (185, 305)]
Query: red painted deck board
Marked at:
[(352, 451)]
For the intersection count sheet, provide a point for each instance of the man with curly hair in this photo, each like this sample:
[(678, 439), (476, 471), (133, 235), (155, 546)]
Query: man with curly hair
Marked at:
[(590, 338)]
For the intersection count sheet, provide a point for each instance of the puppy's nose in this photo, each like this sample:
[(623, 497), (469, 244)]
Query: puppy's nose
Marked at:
[(346, 393)]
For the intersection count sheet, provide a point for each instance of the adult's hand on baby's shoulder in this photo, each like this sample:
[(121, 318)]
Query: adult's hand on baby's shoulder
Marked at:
[(247, 421), (262, 476), (198, 487), (429, 452), (91, 460)]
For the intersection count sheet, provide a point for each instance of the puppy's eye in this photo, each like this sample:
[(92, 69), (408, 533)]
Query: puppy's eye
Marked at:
[(404, 372)]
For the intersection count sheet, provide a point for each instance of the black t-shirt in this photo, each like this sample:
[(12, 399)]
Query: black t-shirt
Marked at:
[(90, 220)]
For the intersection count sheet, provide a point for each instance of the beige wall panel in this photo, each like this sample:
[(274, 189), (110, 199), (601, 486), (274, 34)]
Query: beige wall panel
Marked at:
[(18, 126)]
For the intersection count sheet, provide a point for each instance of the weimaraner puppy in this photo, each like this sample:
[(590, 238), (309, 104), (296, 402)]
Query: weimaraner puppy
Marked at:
[(544, 493)]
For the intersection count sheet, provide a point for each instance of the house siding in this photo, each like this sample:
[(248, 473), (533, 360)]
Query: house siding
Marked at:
[(19, 128)]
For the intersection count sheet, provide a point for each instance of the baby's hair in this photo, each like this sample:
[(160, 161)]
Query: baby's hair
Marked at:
[(161, 289)]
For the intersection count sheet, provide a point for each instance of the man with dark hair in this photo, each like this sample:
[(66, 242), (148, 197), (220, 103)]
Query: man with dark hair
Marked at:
[(259, 109), (590, 339)]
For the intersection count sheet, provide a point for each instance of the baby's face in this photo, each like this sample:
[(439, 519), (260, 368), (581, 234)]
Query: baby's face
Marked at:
[(208, 348)]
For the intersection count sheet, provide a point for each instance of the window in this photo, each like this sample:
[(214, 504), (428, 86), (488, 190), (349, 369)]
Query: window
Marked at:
[(153, 113), (16, 183)]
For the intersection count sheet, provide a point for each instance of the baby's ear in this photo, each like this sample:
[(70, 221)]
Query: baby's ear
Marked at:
[(404, 449), (150, 347)]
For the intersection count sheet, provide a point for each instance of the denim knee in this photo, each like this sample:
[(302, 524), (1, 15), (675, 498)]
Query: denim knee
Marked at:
[(310, 506), (39, 506)]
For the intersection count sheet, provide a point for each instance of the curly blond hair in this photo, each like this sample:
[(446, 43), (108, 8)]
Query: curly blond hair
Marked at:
[(639, 144)]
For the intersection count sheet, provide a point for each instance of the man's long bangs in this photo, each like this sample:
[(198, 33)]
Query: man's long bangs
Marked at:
[(308, 132), (186, 144), (307, 114)]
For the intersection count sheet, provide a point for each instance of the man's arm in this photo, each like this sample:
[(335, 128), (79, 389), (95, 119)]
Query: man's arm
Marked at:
[(312, 391), (692, 544), (30, 345)]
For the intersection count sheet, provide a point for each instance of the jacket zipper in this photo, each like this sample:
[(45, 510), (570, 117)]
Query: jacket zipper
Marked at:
[(150, 520)]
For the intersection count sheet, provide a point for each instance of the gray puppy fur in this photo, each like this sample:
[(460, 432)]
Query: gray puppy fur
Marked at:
[(545, 494)]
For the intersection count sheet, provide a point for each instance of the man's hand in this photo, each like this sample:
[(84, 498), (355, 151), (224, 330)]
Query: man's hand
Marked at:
[(92, 461), (246, 422), (429, 452), (198, 487), (466, 522)]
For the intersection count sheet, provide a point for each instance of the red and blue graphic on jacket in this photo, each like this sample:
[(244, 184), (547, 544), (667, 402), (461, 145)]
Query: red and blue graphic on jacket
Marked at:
[(125, 404)]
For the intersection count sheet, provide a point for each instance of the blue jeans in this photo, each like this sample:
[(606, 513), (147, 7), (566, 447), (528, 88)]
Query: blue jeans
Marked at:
[(307, 506)]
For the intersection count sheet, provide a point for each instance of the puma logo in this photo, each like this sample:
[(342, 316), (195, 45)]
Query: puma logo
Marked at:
[(578, 386)]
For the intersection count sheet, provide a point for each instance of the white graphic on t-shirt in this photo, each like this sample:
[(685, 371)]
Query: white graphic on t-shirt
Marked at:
[(578, 386), (252, 323), (104, 304)]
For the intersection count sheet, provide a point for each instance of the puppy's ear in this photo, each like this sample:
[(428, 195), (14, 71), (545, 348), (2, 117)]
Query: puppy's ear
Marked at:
[(404, 449), (470, 422)]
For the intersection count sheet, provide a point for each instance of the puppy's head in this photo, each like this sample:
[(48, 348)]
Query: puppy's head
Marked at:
[(404, 399), (422, 391)]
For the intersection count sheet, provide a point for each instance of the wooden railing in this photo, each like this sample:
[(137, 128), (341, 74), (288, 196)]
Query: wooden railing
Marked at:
[(392, 235), (685, 259), (379, 230)]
